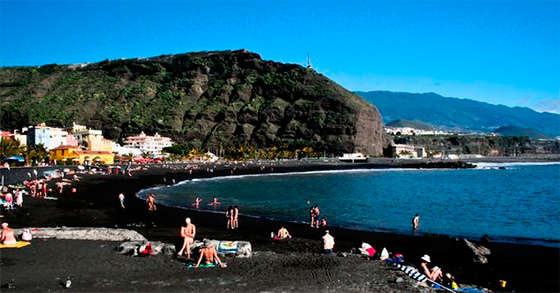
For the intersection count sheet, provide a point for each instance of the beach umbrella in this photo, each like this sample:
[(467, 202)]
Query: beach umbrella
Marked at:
[(15, 158), (81, 167), (66, 170)]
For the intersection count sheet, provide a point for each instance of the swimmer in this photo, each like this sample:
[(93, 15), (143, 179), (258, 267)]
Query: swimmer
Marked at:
[(215, 202)]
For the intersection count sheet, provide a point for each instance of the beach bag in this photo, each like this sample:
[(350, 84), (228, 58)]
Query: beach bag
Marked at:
[(26, 236), (384, 254), (145, 249)]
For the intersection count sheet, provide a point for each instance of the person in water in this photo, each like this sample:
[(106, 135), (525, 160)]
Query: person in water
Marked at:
[(215, 202), (197, 202), (210, 255), (187, 232), (415, 222)]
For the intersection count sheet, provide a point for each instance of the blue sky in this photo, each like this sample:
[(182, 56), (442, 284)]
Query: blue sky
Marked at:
[(500, 52)]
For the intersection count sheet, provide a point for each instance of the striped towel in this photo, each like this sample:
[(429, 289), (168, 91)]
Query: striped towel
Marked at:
[(413, 273)]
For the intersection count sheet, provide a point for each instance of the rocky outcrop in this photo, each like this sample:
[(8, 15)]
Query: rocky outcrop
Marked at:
[(204, 100), (85, 233)]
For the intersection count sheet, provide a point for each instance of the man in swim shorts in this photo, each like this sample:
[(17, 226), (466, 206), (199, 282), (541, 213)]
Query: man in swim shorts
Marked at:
[(188, 232)]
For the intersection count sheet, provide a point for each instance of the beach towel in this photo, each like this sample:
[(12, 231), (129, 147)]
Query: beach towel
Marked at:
[(228, 246), (413, 273), (208, 265), (18, 244)]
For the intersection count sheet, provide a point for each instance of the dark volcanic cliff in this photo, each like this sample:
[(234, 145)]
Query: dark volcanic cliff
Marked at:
[(206, 99)]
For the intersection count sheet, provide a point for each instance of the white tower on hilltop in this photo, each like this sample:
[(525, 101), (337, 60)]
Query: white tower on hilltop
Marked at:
[(309, 66)]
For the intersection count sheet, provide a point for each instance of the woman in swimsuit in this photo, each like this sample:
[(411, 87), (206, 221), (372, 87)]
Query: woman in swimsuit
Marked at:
[(208, 252)]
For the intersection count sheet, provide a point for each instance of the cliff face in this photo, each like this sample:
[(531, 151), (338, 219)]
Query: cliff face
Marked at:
[(206, 99)]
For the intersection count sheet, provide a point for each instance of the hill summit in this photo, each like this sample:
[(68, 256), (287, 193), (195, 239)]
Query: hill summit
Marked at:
[(203, 100)]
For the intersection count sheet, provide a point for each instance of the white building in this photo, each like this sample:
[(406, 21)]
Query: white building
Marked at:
[(148, 144), (410, 131), (408, 151), (123, 150)]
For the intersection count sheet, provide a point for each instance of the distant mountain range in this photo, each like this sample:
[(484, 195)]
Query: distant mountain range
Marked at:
[(520, 132), (459, 114)]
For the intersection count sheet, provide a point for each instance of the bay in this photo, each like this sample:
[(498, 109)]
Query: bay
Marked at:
[(513, 202)]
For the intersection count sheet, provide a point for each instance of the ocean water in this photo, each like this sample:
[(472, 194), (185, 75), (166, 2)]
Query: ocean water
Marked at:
[(515, 202)]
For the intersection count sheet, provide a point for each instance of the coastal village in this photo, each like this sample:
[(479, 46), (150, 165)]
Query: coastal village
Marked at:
[(80, 145)]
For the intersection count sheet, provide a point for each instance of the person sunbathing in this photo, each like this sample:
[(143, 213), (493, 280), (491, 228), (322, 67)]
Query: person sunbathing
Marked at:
[(435, 273), (7, 235), (210, 255)]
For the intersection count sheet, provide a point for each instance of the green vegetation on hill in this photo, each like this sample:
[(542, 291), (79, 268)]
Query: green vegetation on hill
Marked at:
[(459, 114), (520, 132), (412, 124), (482, 145), (204, 100)]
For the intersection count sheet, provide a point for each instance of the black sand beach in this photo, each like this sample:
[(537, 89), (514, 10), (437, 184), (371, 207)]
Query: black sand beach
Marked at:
[(294, 266)]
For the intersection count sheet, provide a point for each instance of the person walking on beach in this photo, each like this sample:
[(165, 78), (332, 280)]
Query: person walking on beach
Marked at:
[(328, 242), (187, 232), (415, 222), (121, 199)]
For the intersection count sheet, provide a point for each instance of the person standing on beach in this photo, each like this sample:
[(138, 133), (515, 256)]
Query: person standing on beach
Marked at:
[(188, 232), (121, 199), (229, 217), (415, 222), (317, 213), (328, 242), (151, 202), (235, 222)]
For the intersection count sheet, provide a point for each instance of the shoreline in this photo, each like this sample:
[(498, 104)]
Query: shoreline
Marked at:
[(96, 204), (547, 242)]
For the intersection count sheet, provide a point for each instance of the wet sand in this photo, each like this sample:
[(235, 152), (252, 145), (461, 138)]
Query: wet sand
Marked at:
[(294, 266)]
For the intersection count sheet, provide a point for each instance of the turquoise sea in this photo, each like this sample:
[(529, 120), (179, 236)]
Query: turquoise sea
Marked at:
[(513, 202)]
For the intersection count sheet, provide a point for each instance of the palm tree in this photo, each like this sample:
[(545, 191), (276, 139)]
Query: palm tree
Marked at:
[(9, 148), (35, 154)]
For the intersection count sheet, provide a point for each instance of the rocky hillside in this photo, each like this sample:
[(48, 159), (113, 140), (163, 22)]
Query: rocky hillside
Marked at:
[(482, 145), (203, 100)]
